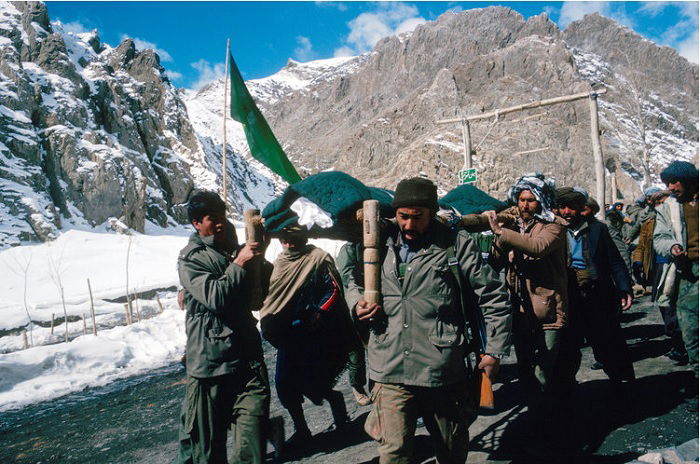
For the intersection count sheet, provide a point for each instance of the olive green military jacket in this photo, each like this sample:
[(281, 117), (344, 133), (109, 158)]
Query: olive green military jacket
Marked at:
[(419, 340), (221, 330)]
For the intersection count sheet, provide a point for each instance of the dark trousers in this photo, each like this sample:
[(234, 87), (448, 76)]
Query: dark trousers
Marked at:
[(211, 405), (593, 317), (668, 313)]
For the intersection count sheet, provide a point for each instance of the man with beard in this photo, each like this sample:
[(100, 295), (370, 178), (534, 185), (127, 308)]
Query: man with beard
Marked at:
[(676, 238), (599, 285), (417, 345), (534, 255)]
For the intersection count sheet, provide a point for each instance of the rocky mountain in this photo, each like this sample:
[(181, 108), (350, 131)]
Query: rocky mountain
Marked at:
[(379, 123), (90, 135)]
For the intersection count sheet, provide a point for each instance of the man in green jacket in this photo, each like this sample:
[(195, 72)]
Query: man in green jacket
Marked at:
[(227, 380), (417, 345)]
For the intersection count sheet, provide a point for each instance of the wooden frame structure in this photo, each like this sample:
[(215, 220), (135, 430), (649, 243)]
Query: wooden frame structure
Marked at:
[(592, 97)]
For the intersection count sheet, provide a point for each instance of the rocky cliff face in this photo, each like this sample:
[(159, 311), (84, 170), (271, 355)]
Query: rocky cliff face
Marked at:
[(379, 123), (90, 134)]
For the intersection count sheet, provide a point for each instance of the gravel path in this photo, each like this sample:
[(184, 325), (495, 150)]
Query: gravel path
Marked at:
[(135, 421)]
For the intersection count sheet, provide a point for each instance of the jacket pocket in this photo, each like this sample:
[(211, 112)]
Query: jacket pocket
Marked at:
[(222, 333), (447, 331), (544, 304), (220, 344)]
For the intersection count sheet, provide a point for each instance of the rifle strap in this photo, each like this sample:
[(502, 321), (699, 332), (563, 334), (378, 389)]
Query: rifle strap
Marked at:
[(467, 315)]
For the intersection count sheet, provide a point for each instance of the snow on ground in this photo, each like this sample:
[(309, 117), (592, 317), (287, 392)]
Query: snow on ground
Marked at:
[(51, 368), (45, 372)]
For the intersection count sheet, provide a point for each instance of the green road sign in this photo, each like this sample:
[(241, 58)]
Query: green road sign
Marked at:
[(467, 176)]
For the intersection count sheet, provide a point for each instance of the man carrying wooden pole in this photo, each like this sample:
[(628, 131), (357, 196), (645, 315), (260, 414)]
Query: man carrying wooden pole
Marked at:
[(227, 382), (417, 344)]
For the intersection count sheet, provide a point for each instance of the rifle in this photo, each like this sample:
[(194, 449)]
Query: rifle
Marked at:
[(476, 323)]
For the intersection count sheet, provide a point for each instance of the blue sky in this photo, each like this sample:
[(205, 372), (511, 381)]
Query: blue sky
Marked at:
[(191, 36)]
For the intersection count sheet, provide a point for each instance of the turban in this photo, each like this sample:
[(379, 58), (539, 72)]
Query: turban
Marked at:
[(682, 171), (567, 196), (591, 203), (543, 190)]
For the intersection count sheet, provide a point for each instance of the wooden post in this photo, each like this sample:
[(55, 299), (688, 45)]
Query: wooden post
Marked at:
[(370, 240), (65, 313), (598, 165), (53, 315), (595, 129), (253, 234), (223, 149), (613, 187), (84, 325), (128, 316), (92, 310), (128, 300), (25, 342), (467, 138), (138, 308), (160, 305)]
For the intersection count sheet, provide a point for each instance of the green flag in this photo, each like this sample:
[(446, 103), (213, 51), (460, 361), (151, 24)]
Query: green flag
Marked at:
[(262, 142)]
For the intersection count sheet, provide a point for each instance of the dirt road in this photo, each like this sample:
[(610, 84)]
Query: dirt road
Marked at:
[(135, 421)]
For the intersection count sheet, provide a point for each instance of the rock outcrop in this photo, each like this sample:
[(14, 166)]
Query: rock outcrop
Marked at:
[(89, 132)]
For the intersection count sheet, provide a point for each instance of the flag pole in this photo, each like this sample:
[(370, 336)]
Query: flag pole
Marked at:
[(224, 196)]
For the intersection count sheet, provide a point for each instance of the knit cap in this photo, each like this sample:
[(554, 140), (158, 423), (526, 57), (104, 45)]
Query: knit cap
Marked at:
[(416, 191)]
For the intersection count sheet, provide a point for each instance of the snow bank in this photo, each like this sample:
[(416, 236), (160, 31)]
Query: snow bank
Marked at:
[(44, 372)]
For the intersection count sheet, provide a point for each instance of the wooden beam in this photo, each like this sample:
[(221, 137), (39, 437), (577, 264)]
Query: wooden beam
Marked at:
[(527, 152), (525, 106)]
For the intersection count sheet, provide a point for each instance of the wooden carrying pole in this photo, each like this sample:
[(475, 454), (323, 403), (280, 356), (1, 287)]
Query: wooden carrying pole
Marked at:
[(254, 234), (370, 240), (223, 148)]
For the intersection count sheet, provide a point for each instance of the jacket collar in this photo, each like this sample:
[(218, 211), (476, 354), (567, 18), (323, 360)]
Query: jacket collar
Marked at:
[(208, 242)]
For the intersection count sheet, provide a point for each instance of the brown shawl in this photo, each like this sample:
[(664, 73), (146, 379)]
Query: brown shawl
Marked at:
[(291, 271)]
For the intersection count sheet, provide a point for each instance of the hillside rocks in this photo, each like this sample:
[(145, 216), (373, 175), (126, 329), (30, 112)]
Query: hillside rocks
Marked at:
[(89, 133), (378, 123)]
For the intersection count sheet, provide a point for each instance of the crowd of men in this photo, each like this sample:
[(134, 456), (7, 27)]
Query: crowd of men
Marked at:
[(555, 278)]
